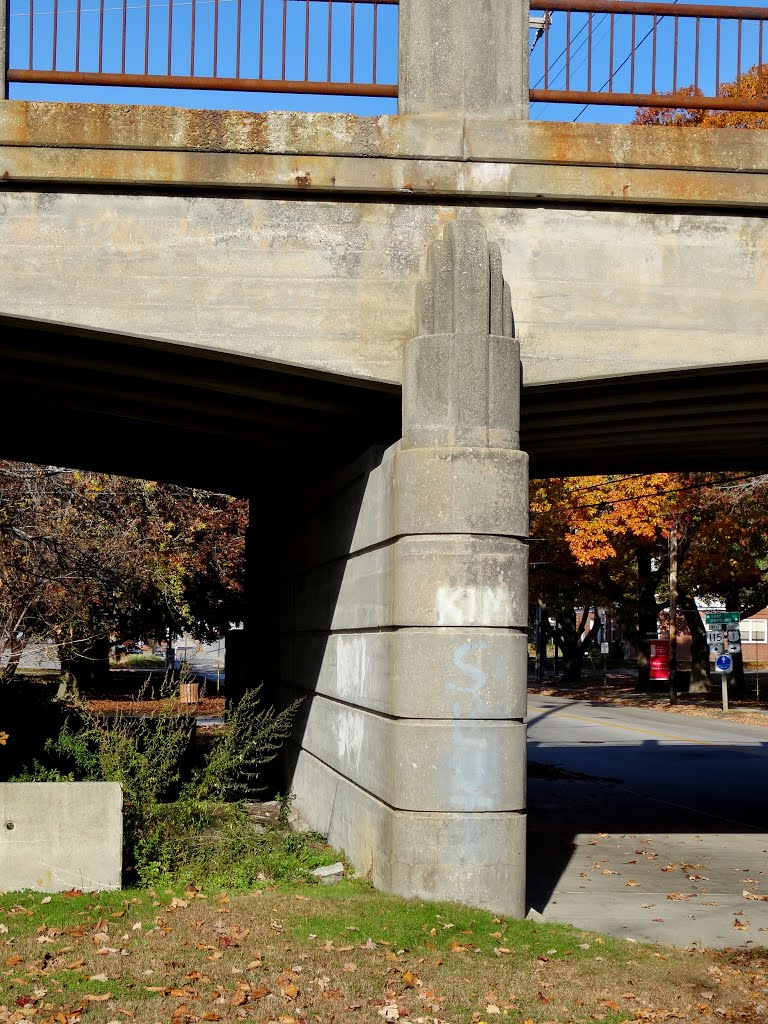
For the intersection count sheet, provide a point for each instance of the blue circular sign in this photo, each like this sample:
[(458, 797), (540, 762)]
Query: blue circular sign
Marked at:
[(724, 663)]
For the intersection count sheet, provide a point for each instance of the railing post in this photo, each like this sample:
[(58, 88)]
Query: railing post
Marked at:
[(464, 57), (3, 49)]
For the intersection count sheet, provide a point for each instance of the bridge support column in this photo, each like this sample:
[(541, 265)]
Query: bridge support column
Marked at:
[(409, 604), (464, 57)]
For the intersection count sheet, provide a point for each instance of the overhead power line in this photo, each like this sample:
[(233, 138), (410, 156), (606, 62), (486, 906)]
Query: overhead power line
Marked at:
[(654, 494)]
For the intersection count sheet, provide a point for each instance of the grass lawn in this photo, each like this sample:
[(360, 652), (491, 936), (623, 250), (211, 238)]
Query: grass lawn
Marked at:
[(338, 954)]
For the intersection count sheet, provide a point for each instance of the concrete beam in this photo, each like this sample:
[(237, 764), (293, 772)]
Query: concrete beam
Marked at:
[(449, 136), (511, 180)]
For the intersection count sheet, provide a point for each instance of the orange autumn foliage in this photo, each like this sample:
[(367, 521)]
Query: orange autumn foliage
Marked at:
[(599, 517), (753, 84)]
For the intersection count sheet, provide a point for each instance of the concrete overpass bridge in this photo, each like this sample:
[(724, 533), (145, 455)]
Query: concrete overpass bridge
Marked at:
[(328, 313)]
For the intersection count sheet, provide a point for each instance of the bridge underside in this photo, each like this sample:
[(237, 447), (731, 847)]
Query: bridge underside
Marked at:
[(153, 409)]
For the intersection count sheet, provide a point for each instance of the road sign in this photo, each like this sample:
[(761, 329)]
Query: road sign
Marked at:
[(717, 648), (715, 618), (734, 635), (734, 648), (715, 636), (604, 648), (724, 663)]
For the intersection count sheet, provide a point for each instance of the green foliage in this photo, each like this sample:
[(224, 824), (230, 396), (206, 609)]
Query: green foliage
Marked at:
[(42, 773), (253, 737), (285, 803), (142, 661), (176, 821)]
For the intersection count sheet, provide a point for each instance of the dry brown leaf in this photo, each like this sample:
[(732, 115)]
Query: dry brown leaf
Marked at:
[(680, 895), (409, 979), (89, 998), (753, 896), (349, 967), (288, 989)]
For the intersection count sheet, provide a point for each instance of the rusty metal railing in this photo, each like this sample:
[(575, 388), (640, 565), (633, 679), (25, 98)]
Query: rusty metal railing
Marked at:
[(627, 53), (327, 47)]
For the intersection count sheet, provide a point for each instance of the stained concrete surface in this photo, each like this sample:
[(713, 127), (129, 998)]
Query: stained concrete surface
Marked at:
[(648, 825), (56, 836)]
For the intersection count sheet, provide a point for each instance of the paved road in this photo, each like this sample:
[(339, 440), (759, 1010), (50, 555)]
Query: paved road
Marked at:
[(618, 794)]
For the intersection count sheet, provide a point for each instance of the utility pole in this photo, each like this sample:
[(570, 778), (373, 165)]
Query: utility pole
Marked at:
[(673, 614)]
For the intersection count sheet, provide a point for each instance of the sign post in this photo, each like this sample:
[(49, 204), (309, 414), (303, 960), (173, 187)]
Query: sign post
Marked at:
[(724, 640), (724, 664)]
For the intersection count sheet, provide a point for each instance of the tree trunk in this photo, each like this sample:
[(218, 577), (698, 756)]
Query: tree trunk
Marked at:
[(700, 681), (646, 617), (9, 669), (568, 641), (85, 666)]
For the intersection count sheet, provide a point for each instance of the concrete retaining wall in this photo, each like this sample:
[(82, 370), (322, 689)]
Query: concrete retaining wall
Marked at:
[(56, 836)]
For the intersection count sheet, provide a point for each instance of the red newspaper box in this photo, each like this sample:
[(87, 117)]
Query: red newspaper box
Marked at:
[(659, 658)]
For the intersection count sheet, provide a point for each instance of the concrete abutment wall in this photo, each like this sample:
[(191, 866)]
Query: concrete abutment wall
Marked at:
[(405, 609)]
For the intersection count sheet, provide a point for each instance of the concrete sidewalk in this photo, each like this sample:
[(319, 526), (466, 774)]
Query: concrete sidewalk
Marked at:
[(644, 833)]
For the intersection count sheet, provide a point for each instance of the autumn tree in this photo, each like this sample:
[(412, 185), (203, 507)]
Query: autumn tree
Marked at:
[(88, 558), (753, 84), (605, 544)]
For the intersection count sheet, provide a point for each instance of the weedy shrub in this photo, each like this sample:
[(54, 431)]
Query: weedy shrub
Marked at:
[(181, 819)]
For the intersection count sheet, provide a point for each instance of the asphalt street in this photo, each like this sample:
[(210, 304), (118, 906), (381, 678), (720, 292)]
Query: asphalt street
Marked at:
[(648, 825)]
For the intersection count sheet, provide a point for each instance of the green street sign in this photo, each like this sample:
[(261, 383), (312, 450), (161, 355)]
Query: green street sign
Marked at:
[(715, 618)]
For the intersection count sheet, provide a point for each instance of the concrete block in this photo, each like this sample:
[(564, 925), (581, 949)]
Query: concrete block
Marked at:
[(420, 764), (461, 580), (476, 859), (56, 836), (457, 673), (464, 56), (352, 593), (455, 490), (350, 511), (329, 874), (461, 390)]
